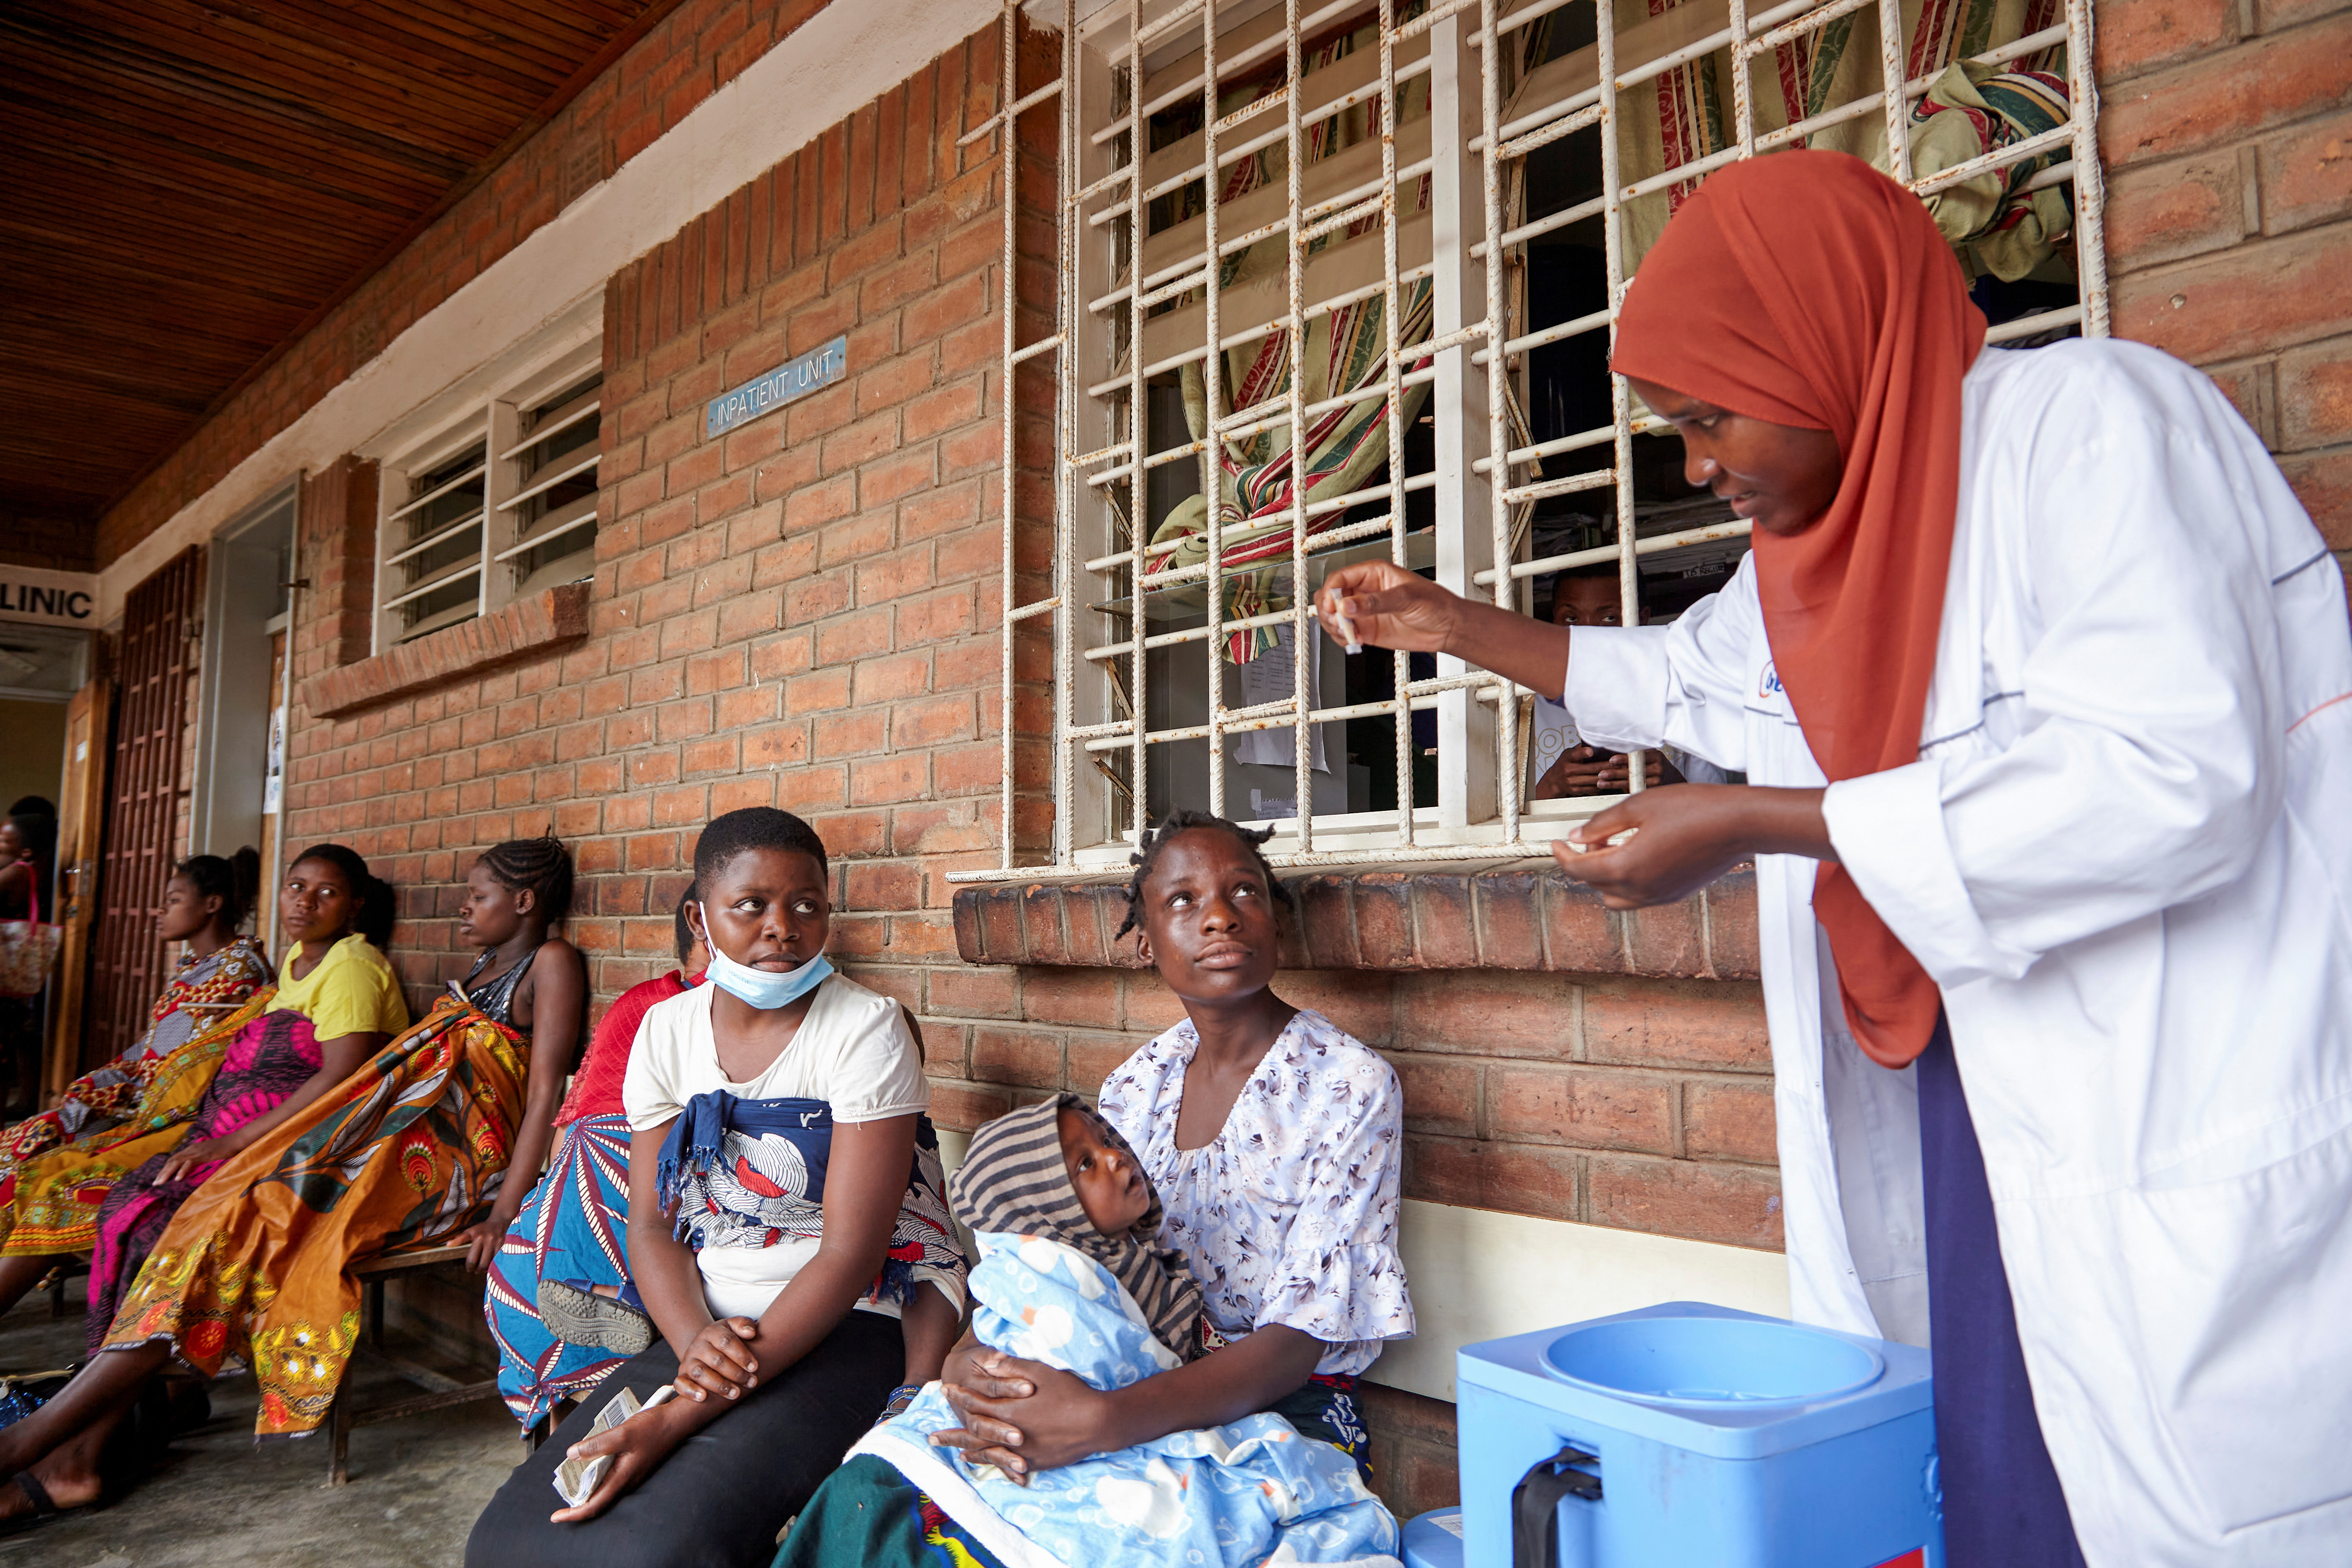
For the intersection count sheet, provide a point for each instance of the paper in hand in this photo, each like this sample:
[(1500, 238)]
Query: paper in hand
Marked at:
[(576, 1480)]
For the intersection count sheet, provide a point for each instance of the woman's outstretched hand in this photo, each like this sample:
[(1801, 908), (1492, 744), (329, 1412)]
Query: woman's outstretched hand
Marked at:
[(1020, 1416), (1387, 606), (638, 1447), (1384, 605), (1685, 836)]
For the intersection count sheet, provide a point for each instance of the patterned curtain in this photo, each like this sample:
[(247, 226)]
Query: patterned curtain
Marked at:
[(1345, 351), (1686, 114)]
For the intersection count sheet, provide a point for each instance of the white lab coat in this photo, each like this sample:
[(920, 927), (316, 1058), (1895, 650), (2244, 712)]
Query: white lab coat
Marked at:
[(2125, 854)]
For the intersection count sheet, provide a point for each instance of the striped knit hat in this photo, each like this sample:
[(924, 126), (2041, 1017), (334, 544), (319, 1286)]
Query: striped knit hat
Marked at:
[(1013, 1179)]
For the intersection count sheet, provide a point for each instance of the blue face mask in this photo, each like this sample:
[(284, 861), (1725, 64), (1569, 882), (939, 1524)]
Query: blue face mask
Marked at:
[(766, 989)]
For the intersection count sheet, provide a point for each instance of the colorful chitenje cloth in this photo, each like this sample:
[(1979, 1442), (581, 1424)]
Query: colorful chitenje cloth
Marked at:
[(255, 1268), (49, 1204), (200, 990), (574, 1225), (271, 1057)]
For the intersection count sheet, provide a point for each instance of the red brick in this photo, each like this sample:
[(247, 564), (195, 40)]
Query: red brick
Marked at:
[(1669, 1023), (2258, 86), (882, 885), (1363, 1002), (2323, 482), (1093, 1057), (1492, 1013), (2167, 211), (881, 780), (2137, 36), (2307, 175), (1591, 1108), (1734, 1204), (1087, 997), (962, 1107), (1016, 1056), (1728, 1119), (1517, 1178), (1441, 1095), (2262, 296), (2315, 394), (973, 993)]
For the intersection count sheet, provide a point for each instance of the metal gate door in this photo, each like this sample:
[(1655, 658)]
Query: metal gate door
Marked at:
[(142, 799)]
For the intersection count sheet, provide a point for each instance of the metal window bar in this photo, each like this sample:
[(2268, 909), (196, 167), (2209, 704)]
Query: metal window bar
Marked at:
[(1103, 225)]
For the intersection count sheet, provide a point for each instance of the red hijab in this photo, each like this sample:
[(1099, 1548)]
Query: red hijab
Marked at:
[(1807, 289)]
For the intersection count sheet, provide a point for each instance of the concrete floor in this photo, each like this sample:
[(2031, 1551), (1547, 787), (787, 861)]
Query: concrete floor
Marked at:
[(416, 1484)]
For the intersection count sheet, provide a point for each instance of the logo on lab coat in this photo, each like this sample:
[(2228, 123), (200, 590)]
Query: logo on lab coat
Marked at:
[(1768, 684)]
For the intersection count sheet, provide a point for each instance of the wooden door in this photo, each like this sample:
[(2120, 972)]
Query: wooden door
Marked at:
[(143, 804), (81, 814)]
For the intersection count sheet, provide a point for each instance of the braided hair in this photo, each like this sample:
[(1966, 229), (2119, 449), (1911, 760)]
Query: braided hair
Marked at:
[(1155, 839), (235, 882), (753, 827), (543, 866), (371, 894)]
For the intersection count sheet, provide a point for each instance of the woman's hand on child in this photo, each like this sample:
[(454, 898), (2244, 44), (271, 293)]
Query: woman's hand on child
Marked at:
[(720, 1360), (638, 1447), (1057, 1420)]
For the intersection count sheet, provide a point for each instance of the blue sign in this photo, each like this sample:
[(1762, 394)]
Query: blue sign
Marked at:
[(786, 383)]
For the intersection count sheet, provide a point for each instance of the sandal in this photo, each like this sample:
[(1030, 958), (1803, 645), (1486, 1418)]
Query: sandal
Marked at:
[(583, 1318), (45, 1507)]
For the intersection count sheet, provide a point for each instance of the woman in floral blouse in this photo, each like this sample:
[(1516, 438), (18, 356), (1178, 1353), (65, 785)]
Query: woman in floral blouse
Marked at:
[(1274, 1140)]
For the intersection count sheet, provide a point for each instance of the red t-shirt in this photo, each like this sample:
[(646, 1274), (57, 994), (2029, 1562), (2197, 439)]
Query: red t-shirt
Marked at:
[(597, 1087)]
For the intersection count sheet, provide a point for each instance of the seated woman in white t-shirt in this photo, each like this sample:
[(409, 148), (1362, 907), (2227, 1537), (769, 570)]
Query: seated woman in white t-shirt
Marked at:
[(782, 1214)]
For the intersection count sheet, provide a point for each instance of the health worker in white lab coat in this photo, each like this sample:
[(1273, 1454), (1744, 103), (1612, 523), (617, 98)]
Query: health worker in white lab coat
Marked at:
[(2046, 681)]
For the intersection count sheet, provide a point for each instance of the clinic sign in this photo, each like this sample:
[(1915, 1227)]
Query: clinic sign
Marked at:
[(788, 383), (30, 596)]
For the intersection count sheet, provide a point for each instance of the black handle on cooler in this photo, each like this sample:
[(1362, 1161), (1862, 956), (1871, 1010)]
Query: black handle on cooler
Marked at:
[(1535, 1505)]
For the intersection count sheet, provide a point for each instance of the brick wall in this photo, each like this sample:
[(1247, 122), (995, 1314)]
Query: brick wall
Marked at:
[(2227, 130), (683, 59), (50, 543), (803, 613)]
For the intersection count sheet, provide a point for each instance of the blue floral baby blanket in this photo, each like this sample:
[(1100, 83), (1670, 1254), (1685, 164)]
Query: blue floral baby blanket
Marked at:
[(1240, 1495)]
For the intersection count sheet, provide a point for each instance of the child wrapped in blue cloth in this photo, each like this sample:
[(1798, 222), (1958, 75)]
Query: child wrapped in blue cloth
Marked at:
[(1071, 1275)]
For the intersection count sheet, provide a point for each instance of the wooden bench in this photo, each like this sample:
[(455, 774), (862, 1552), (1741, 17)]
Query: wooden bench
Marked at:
[(440, 1392)]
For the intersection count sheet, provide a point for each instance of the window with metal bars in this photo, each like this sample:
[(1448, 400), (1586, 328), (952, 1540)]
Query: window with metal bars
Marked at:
[(1319, 263), (499, 503)]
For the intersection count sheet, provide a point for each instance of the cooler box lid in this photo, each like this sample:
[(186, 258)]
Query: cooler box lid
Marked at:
[(1710, 1380)]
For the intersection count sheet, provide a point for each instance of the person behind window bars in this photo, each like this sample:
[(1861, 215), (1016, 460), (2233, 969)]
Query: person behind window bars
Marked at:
[(2075, 670)]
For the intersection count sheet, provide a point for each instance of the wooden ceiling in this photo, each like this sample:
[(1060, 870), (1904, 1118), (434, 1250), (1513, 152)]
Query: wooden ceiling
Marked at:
[(187, 187)]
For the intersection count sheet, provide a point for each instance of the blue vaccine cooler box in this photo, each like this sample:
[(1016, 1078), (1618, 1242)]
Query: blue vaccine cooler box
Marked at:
[(1685, 1435)]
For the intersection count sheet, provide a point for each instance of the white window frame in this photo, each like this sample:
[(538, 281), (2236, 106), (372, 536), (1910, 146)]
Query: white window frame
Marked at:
[(489, 414), (1100, 420)]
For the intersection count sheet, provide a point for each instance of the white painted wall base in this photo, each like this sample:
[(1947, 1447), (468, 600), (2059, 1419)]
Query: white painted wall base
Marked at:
[(1477, 1273)]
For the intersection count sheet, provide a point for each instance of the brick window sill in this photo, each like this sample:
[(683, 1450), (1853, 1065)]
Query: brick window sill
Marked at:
[(1525, 920), (512, 632)]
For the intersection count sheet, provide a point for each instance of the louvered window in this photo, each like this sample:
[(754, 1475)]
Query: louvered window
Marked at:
[(495, 501), (550, 519), (433, 576)]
